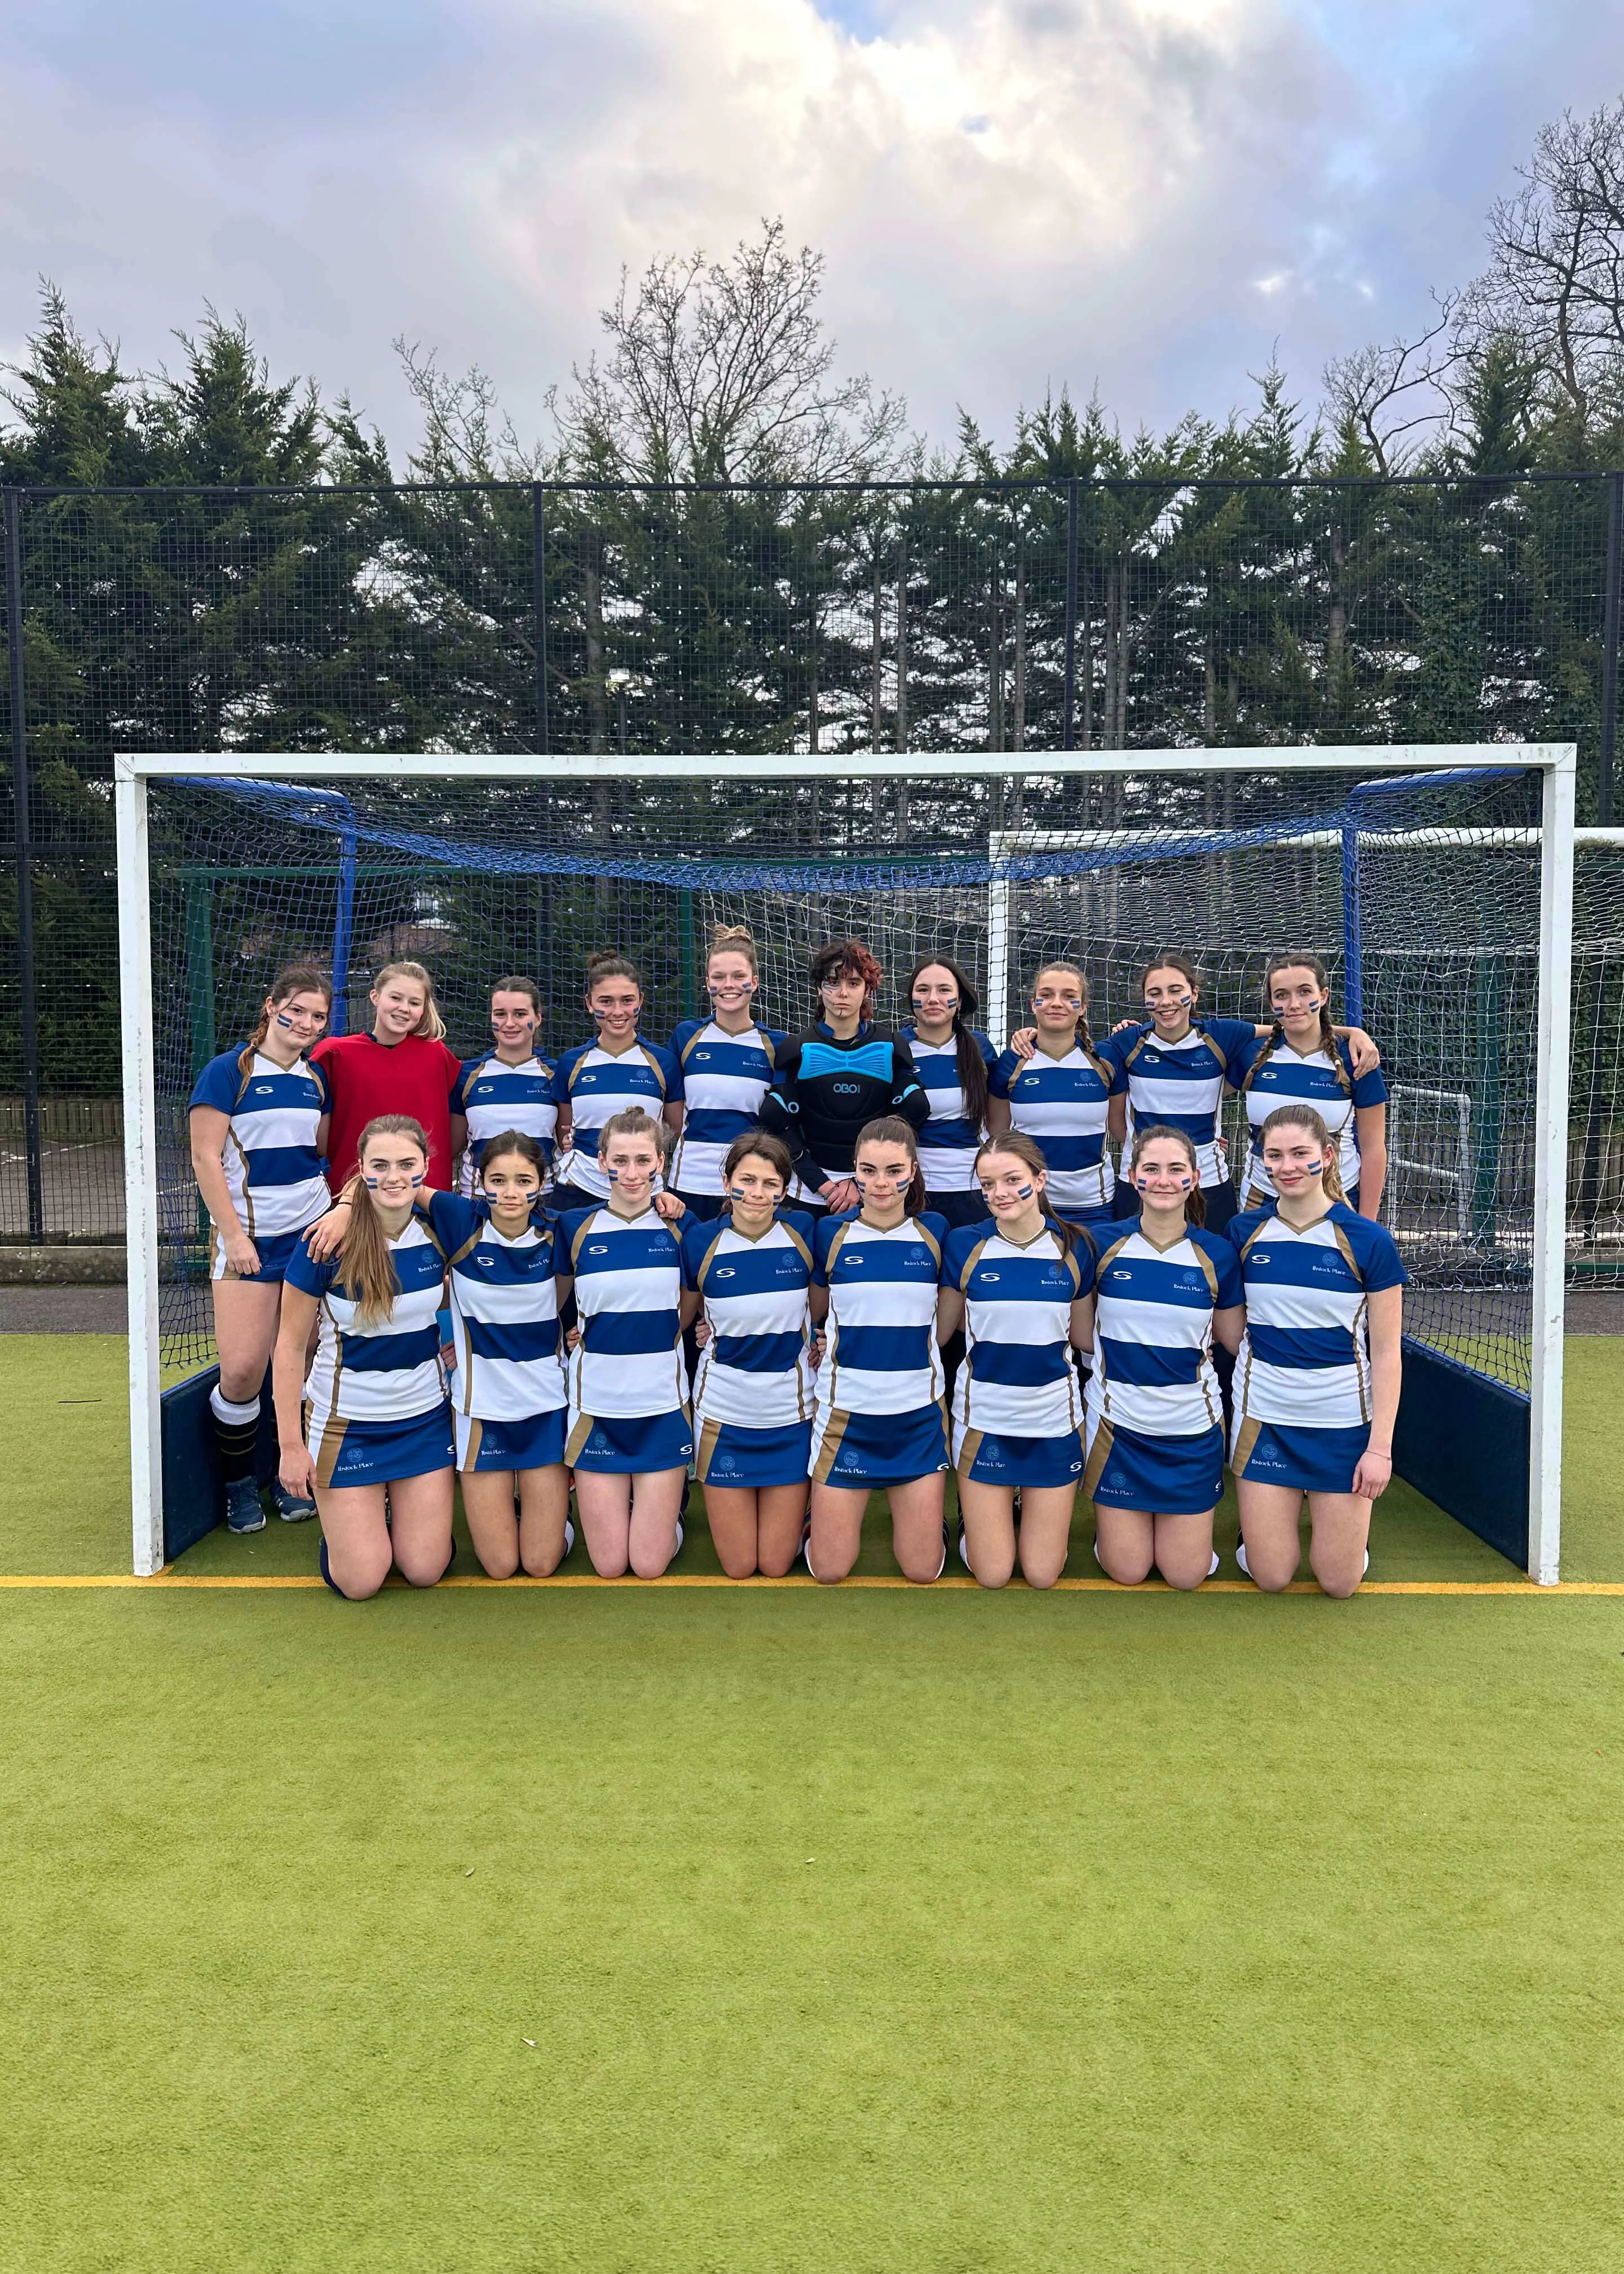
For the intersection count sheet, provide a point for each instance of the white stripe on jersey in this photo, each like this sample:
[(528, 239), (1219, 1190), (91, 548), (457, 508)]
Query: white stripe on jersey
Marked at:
[(1018, 1379), (1063, 1104), (629, 1294), (883, 1356), (725, 1078), (755, 1371), (947, 1143), (389, 1372), (1304, 1359), (495, 1097), (272, 1171), (1287, 1077), (1152, 1370), (504, 1318)]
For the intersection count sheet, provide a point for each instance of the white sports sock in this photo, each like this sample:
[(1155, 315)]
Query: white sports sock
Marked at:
[(227, 1412)]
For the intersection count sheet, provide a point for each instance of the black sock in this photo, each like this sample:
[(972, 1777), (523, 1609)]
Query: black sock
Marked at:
[(236, 1434)]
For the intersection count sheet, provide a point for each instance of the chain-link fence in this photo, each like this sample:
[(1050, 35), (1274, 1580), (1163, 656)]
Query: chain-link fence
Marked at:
[(923, 616)]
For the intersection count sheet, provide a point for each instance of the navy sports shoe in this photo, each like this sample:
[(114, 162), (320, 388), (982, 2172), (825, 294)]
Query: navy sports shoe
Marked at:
[(245, 1510), (289, 1506)]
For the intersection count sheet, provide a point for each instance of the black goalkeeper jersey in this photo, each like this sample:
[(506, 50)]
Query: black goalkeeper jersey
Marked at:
[(826, 1091)]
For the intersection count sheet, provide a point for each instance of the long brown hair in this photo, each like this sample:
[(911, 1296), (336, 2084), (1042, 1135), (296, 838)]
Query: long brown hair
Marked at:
[(365, 1268), (1195, 1203), (1027, 1150), (967, 1049), (891, 1129), (1306, 1117), (1276, 1040), (431, 1024), (292, 979)]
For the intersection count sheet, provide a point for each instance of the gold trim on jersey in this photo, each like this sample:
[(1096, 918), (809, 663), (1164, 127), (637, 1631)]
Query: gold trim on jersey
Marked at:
[(969, 1451), (576, 1443), (710, 1433), (1099, 1453), (829, 1449), (1245, 1444)]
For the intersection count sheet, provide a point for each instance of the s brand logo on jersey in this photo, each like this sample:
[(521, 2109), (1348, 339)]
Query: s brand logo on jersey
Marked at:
[(702, 1057), (597, 1251), (265, 1089), (485, 1262), (725, 1271), (991, 1278)]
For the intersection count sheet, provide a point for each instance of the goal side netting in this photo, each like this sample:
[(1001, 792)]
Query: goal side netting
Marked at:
[(1426, 887)]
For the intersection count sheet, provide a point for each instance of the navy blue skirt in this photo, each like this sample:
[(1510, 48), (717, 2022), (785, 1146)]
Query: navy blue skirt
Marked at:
[(535, 1443), (745, 1460), (1160, 1476), (857, 1451), (629, 1445)]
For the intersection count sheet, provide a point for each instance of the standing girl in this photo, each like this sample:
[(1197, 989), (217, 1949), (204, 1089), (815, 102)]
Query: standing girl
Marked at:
[(838, 1074), (1318, 1376), (748, 1271), (954, 1061), (1304, 1060), (728, 1064), (630, 1438), (259, 1130), (403, 1066), (879, 1421), (1178, 1064), (618, 1073), (1167, 1289), (1020, 1284), (1066, 1095), (377, 1451), (511, 1086)]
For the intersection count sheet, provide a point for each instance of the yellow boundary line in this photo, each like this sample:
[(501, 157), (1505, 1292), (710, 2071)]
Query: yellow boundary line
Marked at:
[(170, 1581)]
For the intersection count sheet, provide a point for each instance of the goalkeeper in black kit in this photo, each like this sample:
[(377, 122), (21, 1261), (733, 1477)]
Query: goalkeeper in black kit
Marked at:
[(840, 1074)]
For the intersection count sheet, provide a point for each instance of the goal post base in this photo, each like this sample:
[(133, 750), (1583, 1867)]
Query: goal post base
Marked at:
[(1463, 1442), (194, 1496)]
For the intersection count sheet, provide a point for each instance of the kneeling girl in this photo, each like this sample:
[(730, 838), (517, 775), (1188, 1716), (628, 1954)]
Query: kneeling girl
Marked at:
[(375, 1405), (1317, 1380), (630, 1437), (748, 1273), (1167, 1289), (1020, 1286), (881, 1420)]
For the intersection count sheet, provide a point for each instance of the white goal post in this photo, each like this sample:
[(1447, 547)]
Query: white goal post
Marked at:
[(1554, 762)]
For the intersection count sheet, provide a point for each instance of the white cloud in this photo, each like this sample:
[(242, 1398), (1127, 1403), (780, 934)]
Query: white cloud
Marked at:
[(1011, 194)]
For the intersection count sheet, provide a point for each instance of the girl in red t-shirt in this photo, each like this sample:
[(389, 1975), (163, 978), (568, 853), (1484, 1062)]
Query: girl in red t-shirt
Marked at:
[(402, 1066)]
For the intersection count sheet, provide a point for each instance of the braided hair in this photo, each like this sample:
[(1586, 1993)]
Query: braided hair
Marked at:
[(1293, 961), (293, 979)]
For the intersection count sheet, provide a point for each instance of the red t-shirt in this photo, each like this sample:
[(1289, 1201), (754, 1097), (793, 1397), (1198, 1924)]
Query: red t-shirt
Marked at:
[(366, 1078)]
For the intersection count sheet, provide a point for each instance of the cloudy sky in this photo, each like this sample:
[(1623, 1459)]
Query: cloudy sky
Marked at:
[(1011, 194)]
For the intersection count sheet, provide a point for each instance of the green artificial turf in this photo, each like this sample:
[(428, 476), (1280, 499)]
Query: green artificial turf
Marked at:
[(850, 1931)]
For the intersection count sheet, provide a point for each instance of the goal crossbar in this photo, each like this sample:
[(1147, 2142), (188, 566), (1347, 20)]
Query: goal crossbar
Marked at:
[(1410, 765)]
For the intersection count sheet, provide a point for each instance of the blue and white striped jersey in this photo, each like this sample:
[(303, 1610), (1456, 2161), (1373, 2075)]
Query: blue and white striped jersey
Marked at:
[(1061, 1104), (1286, 1077), (504, 1311), (628, 1296), (1180, 1085), (1152, 1365), (948, 1142), (882, 1355), (390, 1371), (755, 1371), (596, 1084), (1304, 1359), (1018, 1379), (725, 1077), (273, 1169), (495, 1097)]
